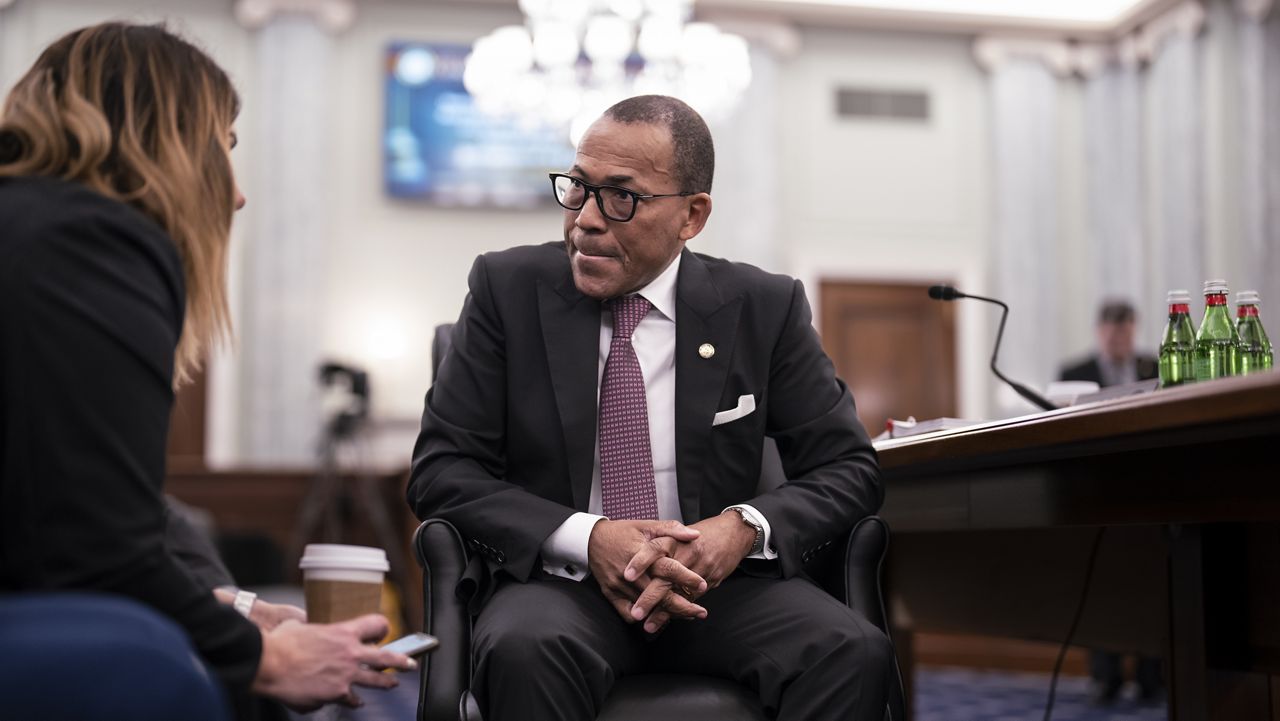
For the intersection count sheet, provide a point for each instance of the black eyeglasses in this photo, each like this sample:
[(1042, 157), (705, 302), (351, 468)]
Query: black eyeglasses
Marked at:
[(615, 203)]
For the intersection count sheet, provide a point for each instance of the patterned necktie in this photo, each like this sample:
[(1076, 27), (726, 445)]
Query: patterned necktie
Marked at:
[(627, 488)]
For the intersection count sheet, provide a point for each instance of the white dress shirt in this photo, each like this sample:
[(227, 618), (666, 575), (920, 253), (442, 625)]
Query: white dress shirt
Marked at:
[(564, 553)]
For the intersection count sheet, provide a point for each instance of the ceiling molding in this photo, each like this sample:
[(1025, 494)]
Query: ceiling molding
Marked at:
[(1068, 58), (1256, 10), (993, 52), (1186, 18), (777, 34), (818, 14), (334, 16)]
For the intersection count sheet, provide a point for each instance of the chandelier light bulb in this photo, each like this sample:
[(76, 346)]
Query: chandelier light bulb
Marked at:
[(564, 98), (608, 74), (511, 48), (677, 10), (530, 95), (608, 39), (733, 59), (555, 44), (573, 12), (629, 10), (699, 43), (480, 80), (537, 10), (659, 39)]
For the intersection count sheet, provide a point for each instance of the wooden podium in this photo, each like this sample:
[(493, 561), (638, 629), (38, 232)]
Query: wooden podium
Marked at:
[(993, 527)]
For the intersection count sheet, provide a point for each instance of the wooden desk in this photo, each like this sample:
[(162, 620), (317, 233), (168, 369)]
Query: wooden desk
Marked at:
[(993, 526)]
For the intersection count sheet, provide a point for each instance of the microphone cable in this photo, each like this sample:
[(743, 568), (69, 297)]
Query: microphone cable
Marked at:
[(1075, 621)]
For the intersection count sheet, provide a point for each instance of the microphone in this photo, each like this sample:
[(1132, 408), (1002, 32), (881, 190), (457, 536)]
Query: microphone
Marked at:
[(946, 292)]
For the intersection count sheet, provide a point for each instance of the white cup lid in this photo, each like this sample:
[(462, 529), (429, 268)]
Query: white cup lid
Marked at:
[(338, 556)]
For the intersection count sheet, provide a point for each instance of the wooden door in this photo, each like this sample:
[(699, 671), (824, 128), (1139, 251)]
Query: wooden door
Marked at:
[(893, 346)]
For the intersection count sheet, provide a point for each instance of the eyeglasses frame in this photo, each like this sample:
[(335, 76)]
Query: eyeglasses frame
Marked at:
[(590, 189)]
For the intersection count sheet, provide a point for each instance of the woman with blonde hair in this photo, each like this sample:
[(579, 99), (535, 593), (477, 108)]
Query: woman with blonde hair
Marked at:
[(116, 199)]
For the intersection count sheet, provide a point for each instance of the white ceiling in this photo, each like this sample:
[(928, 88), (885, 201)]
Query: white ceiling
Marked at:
[(1084, 18), (1090, 11)]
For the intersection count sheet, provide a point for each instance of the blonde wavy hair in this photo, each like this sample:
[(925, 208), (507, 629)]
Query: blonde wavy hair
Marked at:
[(142, 116)]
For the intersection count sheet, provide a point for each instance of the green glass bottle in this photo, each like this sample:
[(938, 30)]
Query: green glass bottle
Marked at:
[(1178, 345), (1217, 344), (1255, 354)]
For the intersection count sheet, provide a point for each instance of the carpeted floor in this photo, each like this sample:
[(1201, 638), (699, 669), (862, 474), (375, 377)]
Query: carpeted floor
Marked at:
[(961, 694), (942, 694)]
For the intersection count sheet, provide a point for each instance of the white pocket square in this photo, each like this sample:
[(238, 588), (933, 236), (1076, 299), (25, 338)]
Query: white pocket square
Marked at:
[(746, 406)]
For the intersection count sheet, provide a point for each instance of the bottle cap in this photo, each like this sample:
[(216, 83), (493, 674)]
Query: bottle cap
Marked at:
[(1215, 286), (1178, 296), (1248, 297)]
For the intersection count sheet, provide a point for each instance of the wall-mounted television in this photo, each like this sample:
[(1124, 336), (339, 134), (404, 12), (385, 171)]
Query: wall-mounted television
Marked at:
[(440, 148)]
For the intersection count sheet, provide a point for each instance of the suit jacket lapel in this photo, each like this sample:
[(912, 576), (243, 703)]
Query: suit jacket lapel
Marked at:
[(571, 334), (702, 317)]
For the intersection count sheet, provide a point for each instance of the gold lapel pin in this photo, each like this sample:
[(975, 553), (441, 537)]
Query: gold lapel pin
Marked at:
[(706, 350)]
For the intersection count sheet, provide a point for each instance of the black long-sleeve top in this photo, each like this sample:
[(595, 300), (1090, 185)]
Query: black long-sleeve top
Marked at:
[(91, 308)]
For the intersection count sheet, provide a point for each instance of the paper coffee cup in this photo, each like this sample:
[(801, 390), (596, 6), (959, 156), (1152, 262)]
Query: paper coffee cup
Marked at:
[(342, 582)]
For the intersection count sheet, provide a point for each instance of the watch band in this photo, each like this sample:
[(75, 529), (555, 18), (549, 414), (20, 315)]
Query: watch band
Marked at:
[(244, 602), (757, 546)]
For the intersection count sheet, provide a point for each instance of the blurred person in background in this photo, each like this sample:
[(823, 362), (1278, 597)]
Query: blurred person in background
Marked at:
[(116, 200), (1115, 362)]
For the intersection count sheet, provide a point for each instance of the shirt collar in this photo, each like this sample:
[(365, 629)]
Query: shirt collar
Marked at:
[(661, 291)]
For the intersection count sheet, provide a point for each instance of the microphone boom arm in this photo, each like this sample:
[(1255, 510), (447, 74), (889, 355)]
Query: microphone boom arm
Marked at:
[(946, 292), (1025, 392)]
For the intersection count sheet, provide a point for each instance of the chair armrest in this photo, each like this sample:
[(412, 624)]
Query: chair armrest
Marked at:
[(863, 557), (446, 671), (864, 592)]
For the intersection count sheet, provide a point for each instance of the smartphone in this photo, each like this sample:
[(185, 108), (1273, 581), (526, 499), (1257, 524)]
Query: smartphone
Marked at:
[(414, 644)]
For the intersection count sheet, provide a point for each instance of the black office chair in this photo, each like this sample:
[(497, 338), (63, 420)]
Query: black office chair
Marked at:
[(848, 571)]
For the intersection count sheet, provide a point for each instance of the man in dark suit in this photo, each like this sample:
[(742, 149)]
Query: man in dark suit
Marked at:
[(605, 391), (1115, 363)]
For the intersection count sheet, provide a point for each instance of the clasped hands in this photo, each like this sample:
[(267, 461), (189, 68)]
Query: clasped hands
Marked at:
[(654, 571)]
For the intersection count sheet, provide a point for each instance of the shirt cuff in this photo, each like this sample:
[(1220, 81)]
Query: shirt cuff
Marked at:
[(564, 553), (767, 552)]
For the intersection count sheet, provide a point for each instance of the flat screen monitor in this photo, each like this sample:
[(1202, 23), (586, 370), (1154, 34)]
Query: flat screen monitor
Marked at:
[(440, 148)]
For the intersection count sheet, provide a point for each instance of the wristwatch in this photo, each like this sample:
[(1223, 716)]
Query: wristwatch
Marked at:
[(244, 602), (748, 518)]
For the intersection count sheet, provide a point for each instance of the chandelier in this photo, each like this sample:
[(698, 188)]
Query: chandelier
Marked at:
[(572, 59)]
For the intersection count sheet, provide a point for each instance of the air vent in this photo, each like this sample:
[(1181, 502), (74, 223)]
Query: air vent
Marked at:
[(866, 103)]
